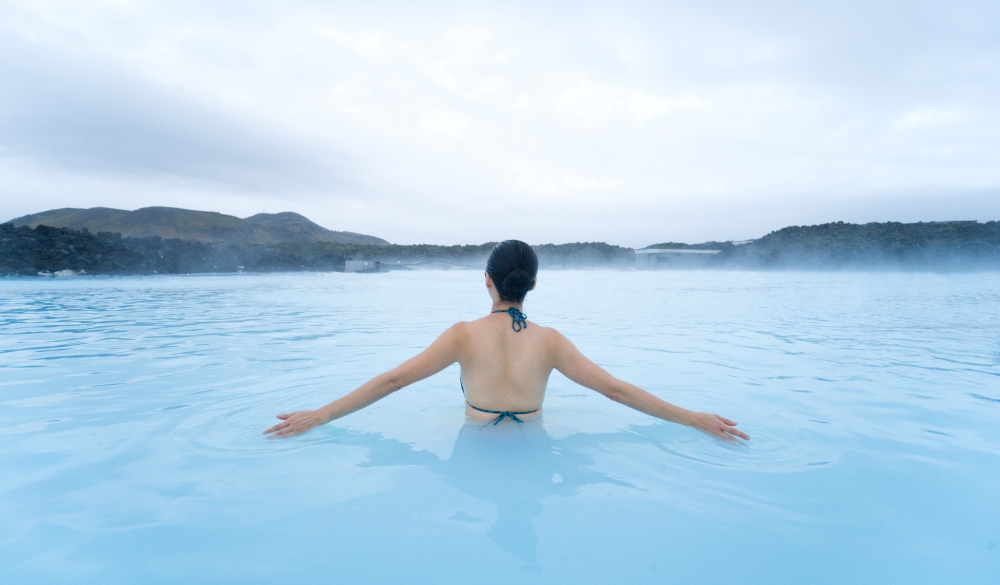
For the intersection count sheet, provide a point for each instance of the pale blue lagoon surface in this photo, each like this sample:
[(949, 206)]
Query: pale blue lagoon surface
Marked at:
[(131, 413)]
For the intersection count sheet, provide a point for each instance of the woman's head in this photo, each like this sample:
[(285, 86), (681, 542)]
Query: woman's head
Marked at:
[(512, 267)]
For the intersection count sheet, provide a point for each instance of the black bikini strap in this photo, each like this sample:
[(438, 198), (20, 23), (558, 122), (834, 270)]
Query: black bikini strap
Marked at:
[(503, 413), (518, 319)]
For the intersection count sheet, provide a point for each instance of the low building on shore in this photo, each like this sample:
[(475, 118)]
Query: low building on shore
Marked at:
[(362, 266), (672, 258)]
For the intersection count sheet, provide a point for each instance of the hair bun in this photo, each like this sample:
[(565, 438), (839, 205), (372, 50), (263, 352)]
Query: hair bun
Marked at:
[(517, 281), (512, 267)]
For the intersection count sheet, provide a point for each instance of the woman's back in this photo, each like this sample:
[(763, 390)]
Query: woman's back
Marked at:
[(504, 369)]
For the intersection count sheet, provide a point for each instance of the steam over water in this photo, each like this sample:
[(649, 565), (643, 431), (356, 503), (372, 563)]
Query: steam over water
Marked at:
[(131, 411)]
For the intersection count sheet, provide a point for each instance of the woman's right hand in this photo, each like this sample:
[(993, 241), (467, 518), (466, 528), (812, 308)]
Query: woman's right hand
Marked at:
[(296, 423), (717, 426)]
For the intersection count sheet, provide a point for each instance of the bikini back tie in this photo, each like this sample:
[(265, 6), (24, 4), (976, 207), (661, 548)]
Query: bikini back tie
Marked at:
[(503, 413), (518, 319)]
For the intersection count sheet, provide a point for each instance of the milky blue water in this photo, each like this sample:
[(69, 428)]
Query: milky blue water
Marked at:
[(131, 411)]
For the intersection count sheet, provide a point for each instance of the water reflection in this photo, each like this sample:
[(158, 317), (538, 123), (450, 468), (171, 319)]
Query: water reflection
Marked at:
[(513, 467)]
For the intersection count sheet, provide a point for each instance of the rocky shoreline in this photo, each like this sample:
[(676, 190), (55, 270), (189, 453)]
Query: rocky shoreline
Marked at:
[(61, 251), (936, 246), (49, 251), (45, 251)]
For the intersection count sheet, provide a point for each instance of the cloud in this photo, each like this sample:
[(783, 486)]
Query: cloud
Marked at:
[(464, 122), (82, 112), (924, 117)]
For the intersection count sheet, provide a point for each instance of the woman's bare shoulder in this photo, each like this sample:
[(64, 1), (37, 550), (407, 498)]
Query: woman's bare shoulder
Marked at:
[(548, 331), (552, 337), (460, 328), (453, 338), (468, 326)]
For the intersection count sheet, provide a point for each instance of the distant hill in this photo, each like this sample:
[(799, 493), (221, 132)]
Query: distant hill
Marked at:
[(940, 245), (200, 226), (192, 242)]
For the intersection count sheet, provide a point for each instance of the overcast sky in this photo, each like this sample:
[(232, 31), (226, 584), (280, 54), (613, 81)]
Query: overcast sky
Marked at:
[(627, 122)]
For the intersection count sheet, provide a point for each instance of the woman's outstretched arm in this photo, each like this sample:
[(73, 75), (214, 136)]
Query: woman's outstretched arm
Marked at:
[(438, 356), (575, 366)]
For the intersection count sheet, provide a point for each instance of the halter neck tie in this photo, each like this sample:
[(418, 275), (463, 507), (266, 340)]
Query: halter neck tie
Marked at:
[(518, 319)]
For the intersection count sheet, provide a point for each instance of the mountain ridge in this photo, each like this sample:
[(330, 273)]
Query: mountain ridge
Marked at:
[(955, 246), (200, 226)]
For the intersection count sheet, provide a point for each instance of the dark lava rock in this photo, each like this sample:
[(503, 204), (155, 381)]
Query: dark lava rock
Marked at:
[(44, 249), (25, 251)]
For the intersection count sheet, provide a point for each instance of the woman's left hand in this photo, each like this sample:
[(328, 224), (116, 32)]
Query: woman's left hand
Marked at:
[(717, 426), (296, 423)]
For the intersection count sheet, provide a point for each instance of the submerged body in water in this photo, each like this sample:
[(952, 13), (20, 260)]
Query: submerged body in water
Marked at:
[(506, 363), (513, 468)]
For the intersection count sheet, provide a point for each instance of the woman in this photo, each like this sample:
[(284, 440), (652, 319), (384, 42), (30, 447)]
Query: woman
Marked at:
[(506, 361)]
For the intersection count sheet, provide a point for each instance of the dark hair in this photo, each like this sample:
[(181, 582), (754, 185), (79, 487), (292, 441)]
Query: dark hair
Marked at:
[(513, 267)]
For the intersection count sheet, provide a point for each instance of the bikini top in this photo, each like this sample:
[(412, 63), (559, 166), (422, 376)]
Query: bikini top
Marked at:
[(518, 322)]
